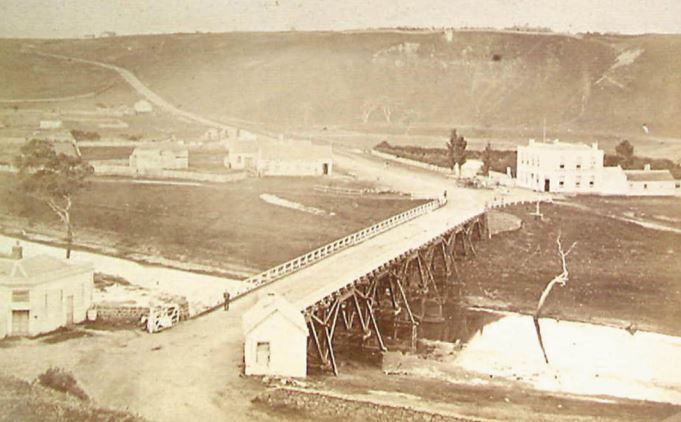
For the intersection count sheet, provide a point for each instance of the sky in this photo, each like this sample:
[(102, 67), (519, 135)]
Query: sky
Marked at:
[(75, 18)]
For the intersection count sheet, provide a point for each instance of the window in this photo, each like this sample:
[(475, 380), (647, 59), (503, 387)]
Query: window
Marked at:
[(678, 185), (561, 183), (20, 296), (579, 163), (645, 186), (577, 183), (591, 183)]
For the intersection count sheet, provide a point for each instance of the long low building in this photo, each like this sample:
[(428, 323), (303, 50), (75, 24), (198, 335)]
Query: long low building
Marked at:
[(564, 167), (281, 158)]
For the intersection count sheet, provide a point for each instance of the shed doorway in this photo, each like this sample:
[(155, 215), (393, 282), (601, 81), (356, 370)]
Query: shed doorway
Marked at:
[(69, 310), (262, 354), (20, 323)]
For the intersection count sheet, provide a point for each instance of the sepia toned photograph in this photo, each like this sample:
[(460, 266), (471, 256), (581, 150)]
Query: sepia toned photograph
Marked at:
[(315, 210)]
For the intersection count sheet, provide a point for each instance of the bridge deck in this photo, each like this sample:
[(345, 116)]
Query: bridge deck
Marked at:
[(310, 285)]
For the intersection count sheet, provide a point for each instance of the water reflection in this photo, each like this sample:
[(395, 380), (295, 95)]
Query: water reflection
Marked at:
[(584, 358)]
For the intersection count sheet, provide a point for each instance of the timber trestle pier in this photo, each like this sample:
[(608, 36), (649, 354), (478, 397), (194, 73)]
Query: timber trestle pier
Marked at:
[(383, 309)]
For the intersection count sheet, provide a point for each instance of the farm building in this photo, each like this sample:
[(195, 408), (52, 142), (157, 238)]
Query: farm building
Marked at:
[(41, 293), (50, 124), (143, 106), (276, 339), (649, 182), (160, 156), (577, 168), (279, 158)]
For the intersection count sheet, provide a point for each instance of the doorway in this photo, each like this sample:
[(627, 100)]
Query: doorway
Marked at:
[(547, 185), (325, 169), (262, 354), (20, 323), (69, 310)]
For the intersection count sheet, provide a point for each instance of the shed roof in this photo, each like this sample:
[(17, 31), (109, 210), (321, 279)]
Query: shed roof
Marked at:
[(36, 269), (649, 176), (268, 306), (295, 150)]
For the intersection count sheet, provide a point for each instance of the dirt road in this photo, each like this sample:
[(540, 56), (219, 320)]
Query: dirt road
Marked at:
[(192, 372), (143, 90)]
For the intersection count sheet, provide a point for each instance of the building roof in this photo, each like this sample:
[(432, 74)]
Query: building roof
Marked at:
[(268, 306), (162, 146), (559, 145), (36, 269), (67, 148), (58, 136), (295, 150), (649, 176), (244, 147)]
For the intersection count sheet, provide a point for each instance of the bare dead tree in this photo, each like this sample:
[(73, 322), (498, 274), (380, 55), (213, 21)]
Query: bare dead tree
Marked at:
[(561, 279)]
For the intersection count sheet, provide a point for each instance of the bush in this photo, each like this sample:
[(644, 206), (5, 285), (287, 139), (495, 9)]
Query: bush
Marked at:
[(60, 380)]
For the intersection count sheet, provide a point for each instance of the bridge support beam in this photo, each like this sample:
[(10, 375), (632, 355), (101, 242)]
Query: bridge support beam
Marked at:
[(384, 308)]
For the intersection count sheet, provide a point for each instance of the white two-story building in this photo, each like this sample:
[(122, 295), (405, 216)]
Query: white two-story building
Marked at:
[(563, 167), (560, 167)]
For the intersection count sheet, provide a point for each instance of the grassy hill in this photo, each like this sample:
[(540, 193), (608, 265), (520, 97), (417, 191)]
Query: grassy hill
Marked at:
[(510, 81)]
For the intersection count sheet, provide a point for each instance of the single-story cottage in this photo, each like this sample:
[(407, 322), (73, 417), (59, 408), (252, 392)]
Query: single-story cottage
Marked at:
[(649, 182), (159, 156), (41, 293), (275, 334), (281, 158)]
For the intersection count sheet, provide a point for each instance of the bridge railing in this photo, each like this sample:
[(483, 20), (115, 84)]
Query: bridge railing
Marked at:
[(343, 243), (502, 202)]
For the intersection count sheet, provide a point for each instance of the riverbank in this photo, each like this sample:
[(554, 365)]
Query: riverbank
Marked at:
[(620, 273)]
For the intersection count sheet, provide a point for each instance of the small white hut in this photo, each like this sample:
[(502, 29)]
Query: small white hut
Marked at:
[(276, 339)]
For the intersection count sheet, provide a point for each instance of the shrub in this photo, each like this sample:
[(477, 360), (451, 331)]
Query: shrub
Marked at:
[(61, 380)]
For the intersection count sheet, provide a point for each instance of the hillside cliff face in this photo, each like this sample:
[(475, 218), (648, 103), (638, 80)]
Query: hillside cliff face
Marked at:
[(483, 79)]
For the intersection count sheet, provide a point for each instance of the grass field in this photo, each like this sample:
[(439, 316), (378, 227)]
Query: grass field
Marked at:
[(620, 272), (22, 401), (663, 211), (212, 224)]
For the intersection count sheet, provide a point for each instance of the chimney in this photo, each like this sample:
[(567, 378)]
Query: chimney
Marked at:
[(17, 251), (646, 167), (594, 145)]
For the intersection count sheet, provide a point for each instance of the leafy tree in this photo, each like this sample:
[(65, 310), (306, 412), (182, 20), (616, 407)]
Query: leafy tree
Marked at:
[(625, 153), (486, 159), (53, 179), (456, 150)]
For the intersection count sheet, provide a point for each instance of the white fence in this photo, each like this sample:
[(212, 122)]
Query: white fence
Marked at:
[(350, 240), (120, 168)]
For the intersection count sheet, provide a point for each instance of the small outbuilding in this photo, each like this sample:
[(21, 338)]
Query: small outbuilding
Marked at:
[(276, 339), (41, 293), (143, 106)]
